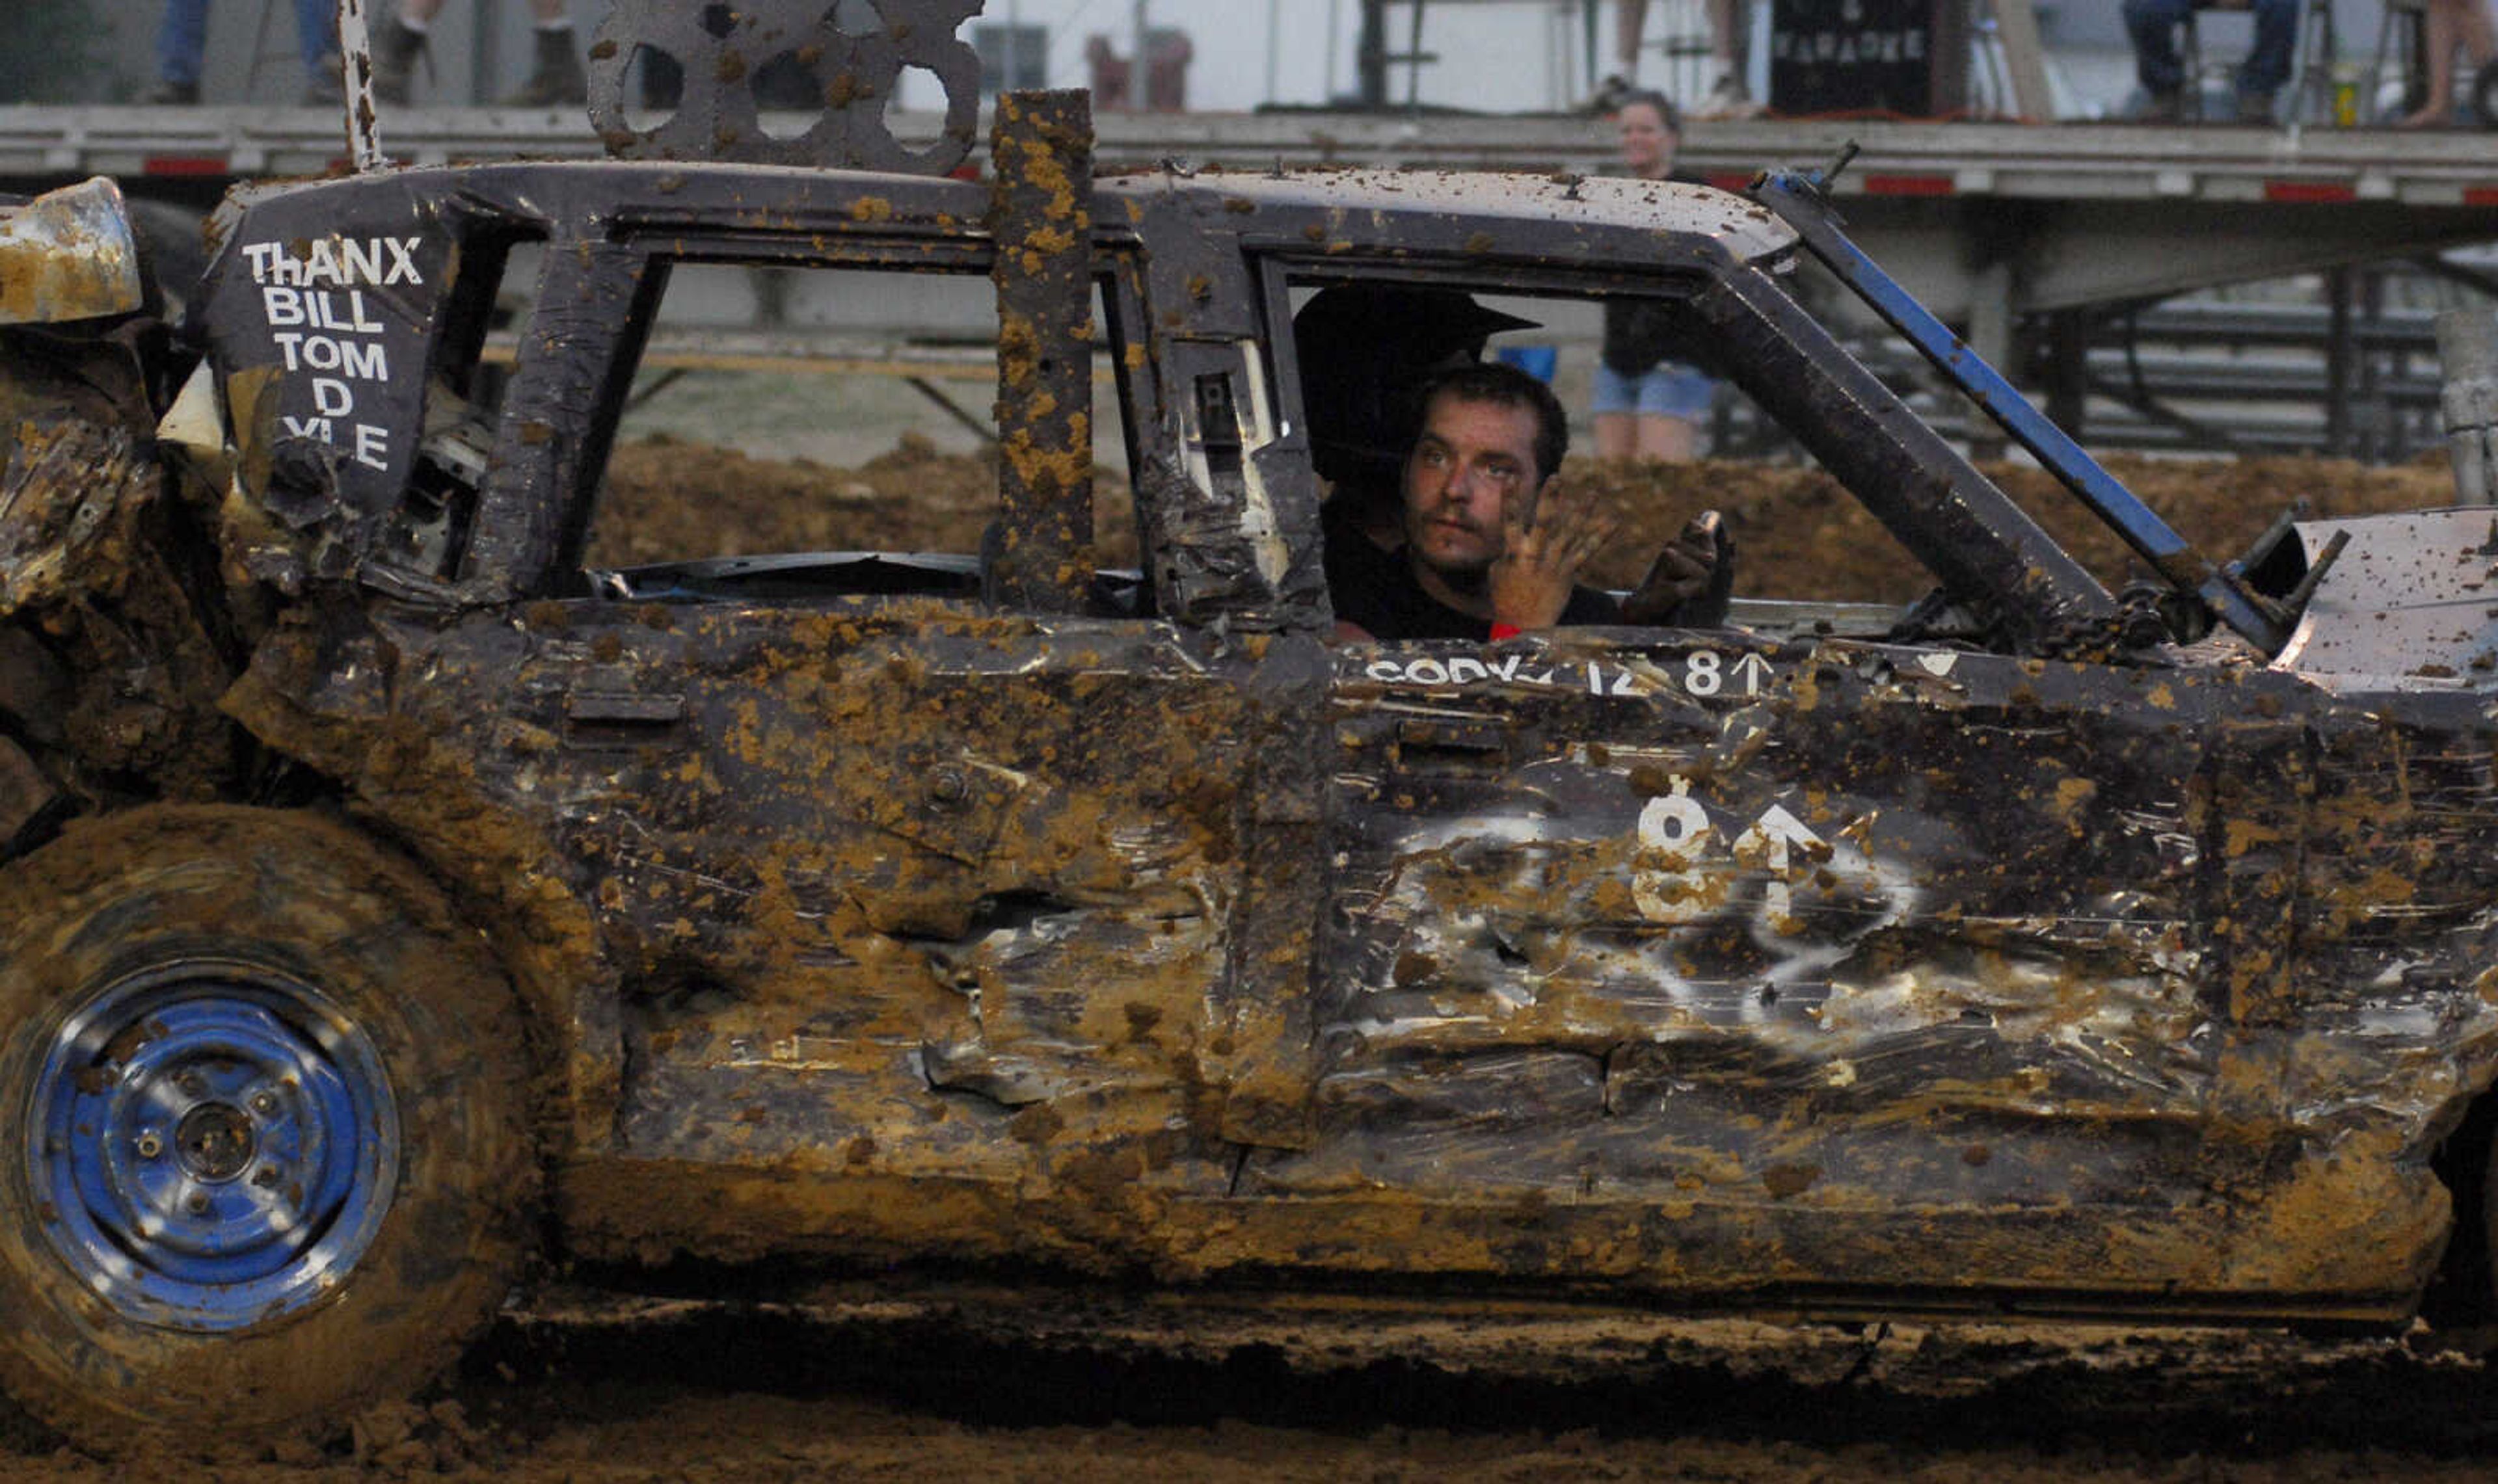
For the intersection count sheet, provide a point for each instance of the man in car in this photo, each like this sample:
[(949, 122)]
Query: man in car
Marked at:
[(1493, 544), (1366, 350)]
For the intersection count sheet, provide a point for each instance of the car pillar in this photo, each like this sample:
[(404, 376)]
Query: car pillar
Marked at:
[(1040, 550)]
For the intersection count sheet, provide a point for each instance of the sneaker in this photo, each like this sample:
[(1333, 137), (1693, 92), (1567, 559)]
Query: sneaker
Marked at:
[(2163, 108), (2255, 108), (557, 77), (171, 94), (1729, 99)]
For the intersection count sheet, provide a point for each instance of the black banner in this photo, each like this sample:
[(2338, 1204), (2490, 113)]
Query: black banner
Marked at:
[(1834, 56)]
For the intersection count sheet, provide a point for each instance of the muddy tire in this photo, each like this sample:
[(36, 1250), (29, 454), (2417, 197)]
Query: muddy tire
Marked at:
[(264, 1152)]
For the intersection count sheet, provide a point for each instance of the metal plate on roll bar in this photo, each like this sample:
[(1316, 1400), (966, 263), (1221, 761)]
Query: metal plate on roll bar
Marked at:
[(852, 54), (2412, 604)]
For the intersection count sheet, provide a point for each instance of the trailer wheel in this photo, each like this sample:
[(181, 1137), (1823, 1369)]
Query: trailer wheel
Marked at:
[(263, 1147)]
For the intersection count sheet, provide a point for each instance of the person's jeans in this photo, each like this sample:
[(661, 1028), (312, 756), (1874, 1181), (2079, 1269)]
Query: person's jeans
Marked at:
[(316, 33), (182, 37), (2153, 24)]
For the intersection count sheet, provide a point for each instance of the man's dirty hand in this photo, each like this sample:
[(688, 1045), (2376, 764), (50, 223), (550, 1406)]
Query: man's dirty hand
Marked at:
[(1691, 580), (1547, 540)]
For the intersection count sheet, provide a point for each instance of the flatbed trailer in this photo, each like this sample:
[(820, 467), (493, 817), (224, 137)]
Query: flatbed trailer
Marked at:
[(1991, 225), (2033, 218)]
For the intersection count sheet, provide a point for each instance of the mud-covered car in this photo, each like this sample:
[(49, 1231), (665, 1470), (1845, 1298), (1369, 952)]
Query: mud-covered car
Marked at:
[(399, 884)]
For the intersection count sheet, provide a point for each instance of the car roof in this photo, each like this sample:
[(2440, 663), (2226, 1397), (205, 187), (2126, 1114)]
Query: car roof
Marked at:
[(1422, 201), (1742, 228)]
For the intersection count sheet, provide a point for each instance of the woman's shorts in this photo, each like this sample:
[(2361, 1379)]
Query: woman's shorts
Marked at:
[(1668, 389)]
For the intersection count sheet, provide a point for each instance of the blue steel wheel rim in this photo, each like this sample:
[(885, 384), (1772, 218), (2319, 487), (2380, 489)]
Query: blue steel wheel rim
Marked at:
[(213, 1144)]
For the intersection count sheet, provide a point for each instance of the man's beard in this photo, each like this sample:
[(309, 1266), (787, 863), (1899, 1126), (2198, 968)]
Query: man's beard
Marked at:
[(1471, 582)]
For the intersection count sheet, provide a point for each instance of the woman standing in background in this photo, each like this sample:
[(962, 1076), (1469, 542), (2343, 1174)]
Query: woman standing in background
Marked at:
[(1646, 404)]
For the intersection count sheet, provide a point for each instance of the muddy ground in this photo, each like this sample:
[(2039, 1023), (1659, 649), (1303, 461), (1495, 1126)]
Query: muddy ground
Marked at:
[(589, 1389), (847, 1383)]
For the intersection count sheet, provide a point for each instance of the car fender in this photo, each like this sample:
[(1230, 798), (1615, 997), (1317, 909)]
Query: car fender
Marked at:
[(114, 632), (69, 253)]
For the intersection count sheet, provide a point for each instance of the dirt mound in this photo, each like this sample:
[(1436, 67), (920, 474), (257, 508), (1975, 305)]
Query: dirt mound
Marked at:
[(667, 500), (1799, 533), (1800, 524)]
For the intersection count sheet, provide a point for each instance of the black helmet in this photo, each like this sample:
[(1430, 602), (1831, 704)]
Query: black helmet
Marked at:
[(1364, 351)]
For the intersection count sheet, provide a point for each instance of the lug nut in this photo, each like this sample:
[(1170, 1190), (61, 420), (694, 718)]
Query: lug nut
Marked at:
[(264, 1103), (149, 1146), (264, 1177), (189, 1082), (198, 1203)]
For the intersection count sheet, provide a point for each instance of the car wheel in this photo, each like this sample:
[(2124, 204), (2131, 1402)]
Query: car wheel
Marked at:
[(263, 1156)]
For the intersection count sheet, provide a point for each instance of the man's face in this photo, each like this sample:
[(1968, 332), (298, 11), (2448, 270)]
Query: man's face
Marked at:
[(1470, 461)]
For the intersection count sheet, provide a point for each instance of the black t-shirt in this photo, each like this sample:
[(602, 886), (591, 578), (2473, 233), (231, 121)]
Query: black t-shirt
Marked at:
[(1644, 334), (1384, 597), (1640, 336), (1355, 563)]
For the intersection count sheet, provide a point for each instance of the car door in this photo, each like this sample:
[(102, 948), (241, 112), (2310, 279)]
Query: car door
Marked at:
[(897, 881), (1834, 940)]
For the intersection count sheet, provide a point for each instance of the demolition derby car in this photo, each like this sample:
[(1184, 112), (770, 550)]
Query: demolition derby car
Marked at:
[(400, 884)]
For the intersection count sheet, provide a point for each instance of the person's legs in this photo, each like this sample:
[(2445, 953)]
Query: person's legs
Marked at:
[(557, 77), (1724, 21), (396, 49), (1673, 440), (181, 41), (1630, 20), (1728, 94), (1673, 399), (2267, 64), (2153, 26), (2479, 36), (2446, 26), (1616, 434), (2439, 34), (317, 32), (1615, 403)]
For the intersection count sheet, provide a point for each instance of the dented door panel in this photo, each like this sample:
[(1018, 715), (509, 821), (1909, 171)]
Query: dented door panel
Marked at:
[(883, 874)]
